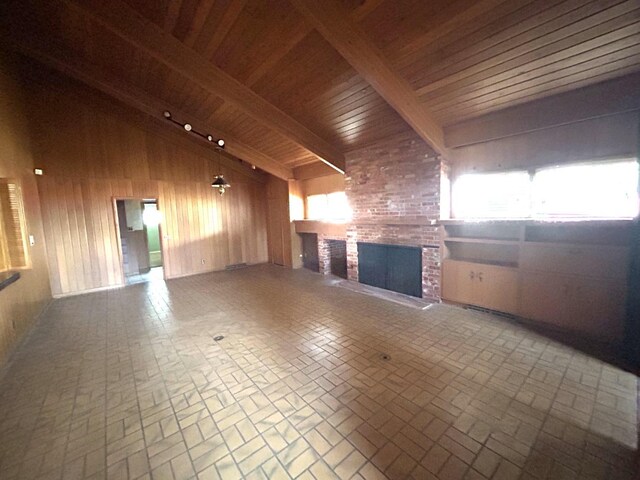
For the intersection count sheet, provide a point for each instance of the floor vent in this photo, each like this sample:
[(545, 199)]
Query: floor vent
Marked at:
[(492, 312), (236, 266)]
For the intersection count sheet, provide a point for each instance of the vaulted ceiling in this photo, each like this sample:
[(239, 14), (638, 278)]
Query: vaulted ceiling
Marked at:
[(291, 82)]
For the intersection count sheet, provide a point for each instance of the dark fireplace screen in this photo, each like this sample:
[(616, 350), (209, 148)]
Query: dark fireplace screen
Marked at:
[(391, 267)]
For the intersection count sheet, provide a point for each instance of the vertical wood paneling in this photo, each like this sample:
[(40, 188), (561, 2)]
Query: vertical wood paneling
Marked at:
[(22, 301), (95, 154), (279, 228)]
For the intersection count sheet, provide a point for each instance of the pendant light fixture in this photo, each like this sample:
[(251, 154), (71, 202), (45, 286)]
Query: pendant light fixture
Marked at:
[(221, 184)]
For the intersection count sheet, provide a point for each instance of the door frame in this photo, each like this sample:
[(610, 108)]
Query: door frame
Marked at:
[(114, 202)]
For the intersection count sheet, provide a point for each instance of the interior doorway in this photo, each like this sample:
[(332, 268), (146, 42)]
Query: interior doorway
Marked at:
[(140, 240)]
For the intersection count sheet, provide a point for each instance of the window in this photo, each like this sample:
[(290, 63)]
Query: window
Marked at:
[(328, 206), (13, 239), (492, 195), (594, 190)]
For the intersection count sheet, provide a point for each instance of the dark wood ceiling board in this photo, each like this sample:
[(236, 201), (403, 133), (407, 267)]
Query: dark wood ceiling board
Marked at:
[(306, 161), (191, 18), (403, 26), (254, 133), (369, 125), (398, 21), (261, 25), (564, 28), (359, 9), (310, 69), (192, 98), (333, 23), (594, 66), (171, 17), (597, 75), (278, 52), (354, 140), (204, 28), (365, 123), (173, 83), (208, 106), (367, 111), (341, 110), (307, 105), (499, 34), (509, 14), (466, 15), (216, 28), (599, 47), (347, 101), (340, 92), (156, 11)]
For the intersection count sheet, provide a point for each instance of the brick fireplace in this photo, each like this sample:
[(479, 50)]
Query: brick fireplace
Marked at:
[(394, 190)]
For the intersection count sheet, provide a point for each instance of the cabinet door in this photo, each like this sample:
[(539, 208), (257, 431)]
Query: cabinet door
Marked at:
[(544, 297), (496, 288), (597, 307), (457, 281)]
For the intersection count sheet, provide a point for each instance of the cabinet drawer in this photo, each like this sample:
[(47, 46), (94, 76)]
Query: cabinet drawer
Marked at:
[(588, 260)]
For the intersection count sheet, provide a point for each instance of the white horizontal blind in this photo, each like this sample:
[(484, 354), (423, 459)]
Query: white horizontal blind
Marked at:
[(586, 190), (492, 195), (13, 235)]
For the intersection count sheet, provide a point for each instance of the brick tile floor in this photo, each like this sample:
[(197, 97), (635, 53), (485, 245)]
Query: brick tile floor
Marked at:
[(131, 384)]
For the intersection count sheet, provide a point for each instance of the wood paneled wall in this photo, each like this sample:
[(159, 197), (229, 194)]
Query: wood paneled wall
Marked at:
[(93, 150), (600, 138), (279, 227), (21, 302)]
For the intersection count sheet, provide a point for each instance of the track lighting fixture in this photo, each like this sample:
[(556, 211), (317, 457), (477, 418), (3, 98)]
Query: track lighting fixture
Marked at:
[(189, 128)]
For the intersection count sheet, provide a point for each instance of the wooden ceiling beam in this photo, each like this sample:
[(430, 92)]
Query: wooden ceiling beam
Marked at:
[(332, 21), (144, 103), (129, 25)]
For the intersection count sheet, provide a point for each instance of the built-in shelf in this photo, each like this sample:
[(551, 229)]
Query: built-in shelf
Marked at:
[(338, 230), (496, 263), (486, 241), (570, 275)]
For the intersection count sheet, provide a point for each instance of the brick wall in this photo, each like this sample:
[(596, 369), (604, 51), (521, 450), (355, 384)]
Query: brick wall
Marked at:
[(329, 247), (394, 191)]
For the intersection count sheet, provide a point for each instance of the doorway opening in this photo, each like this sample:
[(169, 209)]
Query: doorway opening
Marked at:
[(140, 240)]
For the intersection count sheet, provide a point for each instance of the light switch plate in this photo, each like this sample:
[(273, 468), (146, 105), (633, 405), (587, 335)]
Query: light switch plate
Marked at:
[(32, 240)]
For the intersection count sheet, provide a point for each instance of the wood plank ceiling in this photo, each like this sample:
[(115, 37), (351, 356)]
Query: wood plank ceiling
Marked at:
[(460, 59)]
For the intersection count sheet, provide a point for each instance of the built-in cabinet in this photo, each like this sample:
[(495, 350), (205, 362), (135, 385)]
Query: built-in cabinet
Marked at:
[(482, 285), (570, 275)]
